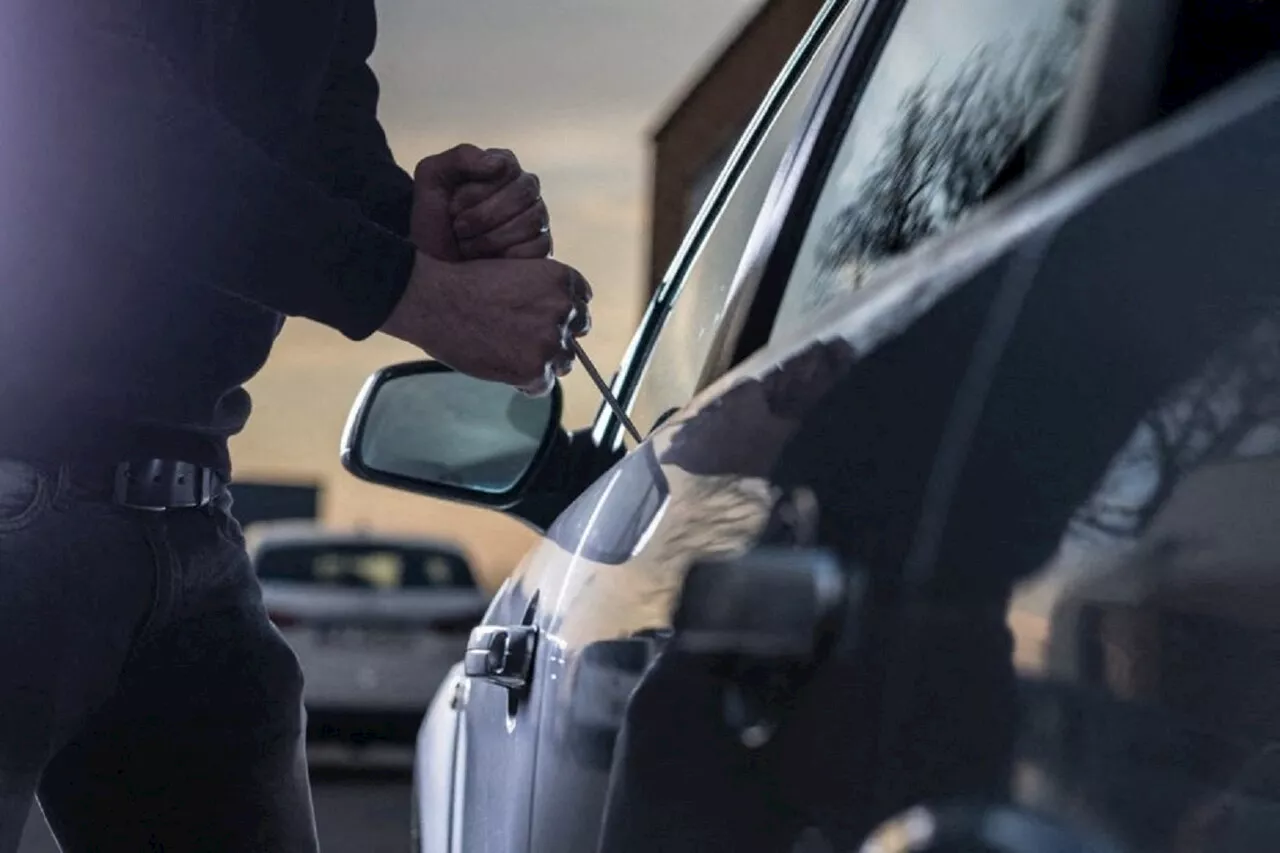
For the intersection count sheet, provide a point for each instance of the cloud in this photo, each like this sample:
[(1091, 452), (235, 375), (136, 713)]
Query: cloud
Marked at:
[(474, 60)]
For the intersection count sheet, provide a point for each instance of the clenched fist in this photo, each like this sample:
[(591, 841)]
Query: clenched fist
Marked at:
[(501, 320), (472, 203)]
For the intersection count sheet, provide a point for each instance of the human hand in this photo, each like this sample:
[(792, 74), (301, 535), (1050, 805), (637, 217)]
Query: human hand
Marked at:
[(501, 320), (472, 204)]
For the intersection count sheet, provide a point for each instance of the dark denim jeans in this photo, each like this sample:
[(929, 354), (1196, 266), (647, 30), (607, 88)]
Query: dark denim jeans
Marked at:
[(144, 695)]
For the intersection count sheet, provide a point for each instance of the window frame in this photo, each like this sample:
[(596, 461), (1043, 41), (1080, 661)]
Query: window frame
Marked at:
[(607, 430), (782, 232)]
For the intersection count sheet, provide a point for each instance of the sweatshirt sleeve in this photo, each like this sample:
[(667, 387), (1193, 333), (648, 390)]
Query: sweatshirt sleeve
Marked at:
[(350, 139), (113, 165)]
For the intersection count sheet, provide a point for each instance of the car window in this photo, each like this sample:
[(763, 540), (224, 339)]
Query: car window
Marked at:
[(364, 566), (674, 367), (949, 110)]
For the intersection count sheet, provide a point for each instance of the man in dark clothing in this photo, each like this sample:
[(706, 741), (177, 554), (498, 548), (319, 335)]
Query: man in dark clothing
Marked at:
[(176, 177)]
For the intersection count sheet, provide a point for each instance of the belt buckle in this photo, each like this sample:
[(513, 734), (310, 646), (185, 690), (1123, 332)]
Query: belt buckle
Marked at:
[(157, 485)]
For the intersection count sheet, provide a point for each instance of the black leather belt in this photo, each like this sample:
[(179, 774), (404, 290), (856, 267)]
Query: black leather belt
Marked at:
[(164, 484)]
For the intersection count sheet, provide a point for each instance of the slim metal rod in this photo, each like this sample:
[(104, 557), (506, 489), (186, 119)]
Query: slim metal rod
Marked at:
[(604, 389)]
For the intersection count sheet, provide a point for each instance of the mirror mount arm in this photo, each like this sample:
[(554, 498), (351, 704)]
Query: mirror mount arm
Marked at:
[(572, 463)]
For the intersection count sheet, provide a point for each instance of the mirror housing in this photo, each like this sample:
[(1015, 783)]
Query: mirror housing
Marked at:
[(424, 428)]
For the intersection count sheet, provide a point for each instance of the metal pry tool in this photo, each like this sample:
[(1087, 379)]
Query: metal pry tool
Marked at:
[(603, 387)]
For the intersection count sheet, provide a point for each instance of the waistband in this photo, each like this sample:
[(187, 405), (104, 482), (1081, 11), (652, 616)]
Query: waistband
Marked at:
[(84, 443), (156, 485)]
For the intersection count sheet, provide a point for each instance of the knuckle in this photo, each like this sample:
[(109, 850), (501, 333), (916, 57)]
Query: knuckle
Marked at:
[(465, 227), (529, 189), (426, 166), (540, 219)]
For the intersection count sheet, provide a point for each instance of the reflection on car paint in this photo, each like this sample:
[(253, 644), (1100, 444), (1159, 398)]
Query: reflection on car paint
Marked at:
[(617, 557), (1152, 642), (636, 492), (715, 441)]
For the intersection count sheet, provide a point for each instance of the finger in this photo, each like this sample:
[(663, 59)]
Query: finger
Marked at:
[(501, 162), (526, 227), (538, 389), (538, 248), (486, 183), (468, 195), (579, 288), (562, 365), (509, 202), (482, 164), (580, 320), (541, 385), (463, 164)]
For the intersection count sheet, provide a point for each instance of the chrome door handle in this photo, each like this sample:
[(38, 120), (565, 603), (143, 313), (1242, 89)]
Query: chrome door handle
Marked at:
[(501, 654)]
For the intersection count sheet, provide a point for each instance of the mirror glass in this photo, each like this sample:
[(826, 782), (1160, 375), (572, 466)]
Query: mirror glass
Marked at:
[(449, 429)]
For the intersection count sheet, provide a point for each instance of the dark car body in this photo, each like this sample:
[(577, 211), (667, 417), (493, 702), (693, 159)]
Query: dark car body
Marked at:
[(982, 309)]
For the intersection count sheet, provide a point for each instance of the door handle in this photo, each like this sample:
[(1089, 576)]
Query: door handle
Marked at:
[(501, 654)]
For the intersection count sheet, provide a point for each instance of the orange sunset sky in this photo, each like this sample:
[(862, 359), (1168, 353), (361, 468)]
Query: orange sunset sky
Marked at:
[(573, 87)]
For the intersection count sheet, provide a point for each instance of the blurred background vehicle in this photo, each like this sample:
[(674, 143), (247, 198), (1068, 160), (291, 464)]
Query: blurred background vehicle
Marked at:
[(376, 623)]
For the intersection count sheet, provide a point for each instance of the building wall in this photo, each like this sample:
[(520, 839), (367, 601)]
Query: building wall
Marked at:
[(691, 144)]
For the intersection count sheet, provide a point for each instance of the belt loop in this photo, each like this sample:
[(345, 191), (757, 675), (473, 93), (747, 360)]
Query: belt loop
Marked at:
[(208, 484)]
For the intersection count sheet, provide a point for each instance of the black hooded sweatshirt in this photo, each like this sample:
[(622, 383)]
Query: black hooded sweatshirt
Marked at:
[(176, 177)]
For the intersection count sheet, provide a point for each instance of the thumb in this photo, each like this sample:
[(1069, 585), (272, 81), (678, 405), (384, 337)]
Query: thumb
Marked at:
[(459, 165)]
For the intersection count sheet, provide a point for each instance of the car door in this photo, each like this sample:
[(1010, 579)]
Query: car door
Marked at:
[(701, 484), (1112, 504), (500, 737)]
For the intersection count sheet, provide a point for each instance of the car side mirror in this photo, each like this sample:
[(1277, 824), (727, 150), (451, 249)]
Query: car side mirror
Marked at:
[(425, 428)]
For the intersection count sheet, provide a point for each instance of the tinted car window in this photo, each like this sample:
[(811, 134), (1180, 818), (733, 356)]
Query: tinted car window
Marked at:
[(675, 366), (946, 117), (364, 566)]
